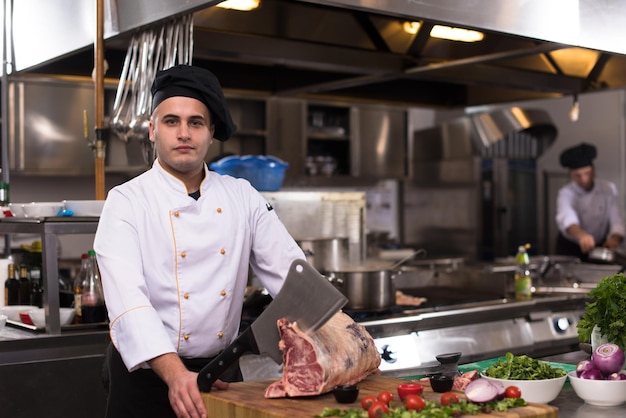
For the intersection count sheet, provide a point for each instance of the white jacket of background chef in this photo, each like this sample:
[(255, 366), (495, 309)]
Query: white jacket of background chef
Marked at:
[(174, 270), (596, 211)]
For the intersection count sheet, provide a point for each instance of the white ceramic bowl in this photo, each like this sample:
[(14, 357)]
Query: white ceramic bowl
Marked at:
[(3, 322), (536, 391), (42, 209), (13, 311), (17, 209), (38, 316), (84, 207), (599, 392)]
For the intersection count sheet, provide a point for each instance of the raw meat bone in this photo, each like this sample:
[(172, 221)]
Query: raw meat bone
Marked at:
[(341, 352)]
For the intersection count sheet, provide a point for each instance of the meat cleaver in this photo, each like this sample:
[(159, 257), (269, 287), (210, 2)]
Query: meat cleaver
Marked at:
[(306, 297)]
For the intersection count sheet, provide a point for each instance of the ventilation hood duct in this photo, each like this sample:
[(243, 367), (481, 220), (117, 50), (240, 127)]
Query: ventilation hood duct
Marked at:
[(513, 133), (514, 126)]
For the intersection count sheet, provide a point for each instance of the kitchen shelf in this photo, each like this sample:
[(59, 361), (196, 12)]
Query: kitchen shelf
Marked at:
[(49, 228), (327, 135)]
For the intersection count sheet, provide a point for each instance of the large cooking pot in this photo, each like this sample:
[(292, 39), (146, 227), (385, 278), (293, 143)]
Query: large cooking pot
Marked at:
[(325, 254), (368, 287), (366, 290)]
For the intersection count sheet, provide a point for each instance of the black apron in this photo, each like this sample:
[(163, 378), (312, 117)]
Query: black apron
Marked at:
[(142, 393)]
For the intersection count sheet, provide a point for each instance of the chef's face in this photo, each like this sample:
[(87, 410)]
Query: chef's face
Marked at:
[(583, 176), (182, 131)]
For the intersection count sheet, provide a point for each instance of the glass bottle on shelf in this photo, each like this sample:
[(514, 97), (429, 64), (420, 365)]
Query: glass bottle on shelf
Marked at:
[(92, 298), (523, 275), (11, 287), (36, 287), (23, 295), (81, 278)]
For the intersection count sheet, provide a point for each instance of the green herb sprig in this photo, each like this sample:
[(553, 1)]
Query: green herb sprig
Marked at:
[(607, 310)]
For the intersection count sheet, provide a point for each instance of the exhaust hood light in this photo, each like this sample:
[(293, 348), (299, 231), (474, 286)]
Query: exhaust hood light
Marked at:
[(456, 34), (242, 5), (575, 110), (411, 27)]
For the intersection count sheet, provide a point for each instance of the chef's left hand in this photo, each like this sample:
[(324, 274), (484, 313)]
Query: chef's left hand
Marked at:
[(612, 242)]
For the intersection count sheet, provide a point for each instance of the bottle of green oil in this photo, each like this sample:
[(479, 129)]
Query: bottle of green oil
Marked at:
[(523, 275)]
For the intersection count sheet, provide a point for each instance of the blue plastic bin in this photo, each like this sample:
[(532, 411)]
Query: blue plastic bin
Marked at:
[(264, 172)]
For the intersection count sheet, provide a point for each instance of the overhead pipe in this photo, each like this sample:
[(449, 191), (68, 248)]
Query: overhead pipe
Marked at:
[(101, 132)]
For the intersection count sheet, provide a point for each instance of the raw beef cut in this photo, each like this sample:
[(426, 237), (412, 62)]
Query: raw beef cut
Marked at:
[(341, 352)]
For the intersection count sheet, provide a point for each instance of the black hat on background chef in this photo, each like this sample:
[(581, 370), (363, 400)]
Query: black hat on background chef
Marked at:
[(197, 83), (579, 156)]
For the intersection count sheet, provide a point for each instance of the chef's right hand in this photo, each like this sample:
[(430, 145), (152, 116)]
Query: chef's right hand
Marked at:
[(586, 243), (185, 397)]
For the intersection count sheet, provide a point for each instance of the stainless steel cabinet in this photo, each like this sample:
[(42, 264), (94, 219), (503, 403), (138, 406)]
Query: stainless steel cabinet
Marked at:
[(286, 130), (382, 142), (47, 127)]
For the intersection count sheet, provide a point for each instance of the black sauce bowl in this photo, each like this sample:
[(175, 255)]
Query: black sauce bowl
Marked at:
[(441, 383), (346, 393)]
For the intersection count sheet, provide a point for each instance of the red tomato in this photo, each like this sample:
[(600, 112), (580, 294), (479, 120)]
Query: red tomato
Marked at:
[(414, 403), (448, 398), (377, 410), (385, 397), (367, 401), (512, 392)]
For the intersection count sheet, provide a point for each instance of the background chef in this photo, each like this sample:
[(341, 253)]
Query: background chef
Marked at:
[(588, 213)]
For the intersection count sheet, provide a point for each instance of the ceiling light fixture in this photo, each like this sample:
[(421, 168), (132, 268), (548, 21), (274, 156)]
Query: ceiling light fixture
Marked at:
[(456, 34), (241, 5), (411, 27), (575, 110)]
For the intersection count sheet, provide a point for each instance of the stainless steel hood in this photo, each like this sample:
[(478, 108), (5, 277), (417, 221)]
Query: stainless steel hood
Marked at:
[(357, 50), (508, 132)]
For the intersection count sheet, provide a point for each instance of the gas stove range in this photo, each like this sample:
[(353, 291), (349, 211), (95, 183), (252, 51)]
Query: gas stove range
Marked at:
[(410, 339)]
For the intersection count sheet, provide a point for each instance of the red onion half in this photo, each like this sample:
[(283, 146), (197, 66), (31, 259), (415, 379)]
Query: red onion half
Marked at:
[(481, 391), (608, 358)]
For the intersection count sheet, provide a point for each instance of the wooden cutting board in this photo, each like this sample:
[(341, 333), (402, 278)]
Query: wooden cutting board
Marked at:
[(246, 400)]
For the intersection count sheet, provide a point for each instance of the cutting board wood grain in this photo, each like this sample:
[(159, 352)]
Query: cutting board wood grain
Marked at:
[(246, 400)]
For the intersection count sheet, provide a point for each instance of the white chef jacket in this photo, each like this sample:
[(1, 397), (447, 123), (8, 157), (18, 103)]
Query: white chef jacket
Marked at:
[(174, 270), (596, 211)]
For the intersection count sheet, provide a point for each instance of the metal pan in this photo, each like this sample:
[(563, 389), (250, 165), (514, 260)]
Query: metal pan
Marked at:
[(607, 256)]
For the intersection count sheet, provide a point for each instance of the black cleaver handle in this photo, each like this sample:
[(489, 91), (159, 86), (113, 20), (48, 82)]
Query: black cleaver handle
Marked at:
[(211, 372)]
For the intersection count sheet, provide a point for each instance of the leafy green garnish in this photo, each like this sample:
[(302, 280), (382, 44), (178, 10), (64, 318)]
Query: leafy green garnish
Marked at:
[(433, 409), (607, 310), (522, 368)]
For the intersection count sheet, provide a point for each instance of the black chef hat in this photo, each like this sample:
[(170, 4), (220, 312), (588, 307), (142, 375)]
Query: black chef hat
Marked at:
[(579, 156), (197, 83)]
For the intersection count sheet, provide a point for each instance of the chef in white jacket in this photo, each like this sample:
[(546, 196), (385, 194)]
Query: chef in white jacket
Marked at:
[(588, 212), (174, 246)]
